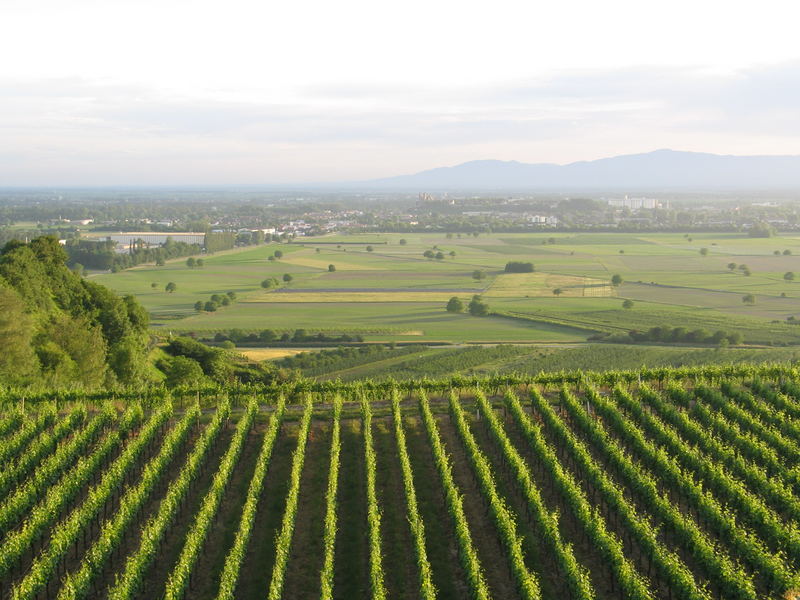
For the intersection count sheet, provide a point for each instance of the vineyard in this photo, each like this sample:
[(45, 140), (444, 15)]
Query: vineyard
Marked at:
[(679, 484)]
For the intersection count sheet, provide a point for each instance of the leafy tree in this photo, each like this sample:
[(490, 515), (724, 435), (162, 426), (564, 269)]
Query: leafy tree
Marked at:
[(160, 262), (225, 301), (628, 304), (370, 248), (210, 306), (428, 254), (18, 363), (269, 283), (287, 278), (200, 263), (331, 268), (403, 242), (477, 274), (749, 299), (731, 266), (704, 251), (198, 306), (439, 256), (616, 279), (181, 371), (278, 254), (558, 292), (735, 338), (477, 307), (228, 345), (267, 335), (789, 276), (171, 287), (452, 253), (317, 250), (153, 285), (454, 305), (216, 298), (787, 252), (231, 295), (191, 262)]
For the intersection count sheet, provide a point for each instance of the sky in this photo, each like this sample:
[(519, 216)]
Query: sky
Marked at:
[(171, 92)]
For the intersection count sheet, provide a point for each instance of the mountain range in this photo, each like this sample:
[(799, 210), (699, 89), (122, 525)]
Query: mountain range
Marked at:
[(660, 169)]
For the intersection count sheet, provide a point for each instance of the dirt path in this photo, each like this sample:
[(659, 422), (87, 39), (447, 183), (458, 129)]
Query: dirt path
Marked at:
[(399, 559), (351, 570), (308, 549)]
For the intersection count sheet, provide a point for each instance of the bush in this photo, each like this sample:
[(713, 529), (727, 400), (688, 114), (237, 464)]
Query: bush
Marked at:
[(519, 267)]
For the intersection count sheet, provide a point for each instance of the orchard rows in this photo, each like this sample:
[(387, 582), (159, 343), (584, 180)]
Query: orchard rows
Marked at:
[(636, 490)]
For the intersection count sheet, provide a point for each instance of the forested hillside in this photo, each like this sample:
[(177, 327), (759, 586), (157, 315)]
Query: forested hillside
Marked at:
[(57, 329)]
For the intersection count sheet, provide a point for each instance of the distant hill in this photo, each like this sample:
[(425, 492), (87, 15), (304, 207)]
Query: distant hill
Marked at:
[(661, 169)]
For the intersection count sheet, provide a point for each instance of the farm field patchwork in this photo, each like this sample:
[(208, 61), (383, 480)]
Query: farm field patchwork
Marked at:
[(439, 491), (396, 289)]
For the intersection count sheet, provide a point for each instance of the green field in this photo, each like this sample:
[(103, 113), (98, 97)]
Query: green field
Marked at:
[(394, 293)]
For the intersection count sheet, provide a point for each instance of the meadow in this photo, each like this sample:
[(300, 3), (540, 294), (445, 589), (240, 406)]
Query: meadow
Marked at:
[(388, 291)]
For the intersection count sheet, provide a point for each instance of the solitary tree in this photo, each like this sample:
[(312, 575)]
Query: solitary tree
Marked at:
[(199, 263), (198, 306), (269, 283), (477, 275), (627, 304), (403, 241), (171, 287), (452, 253), (370, 248), (439, 256), (278, 254), (787, 252), (477, 307), (616, 279), (191, 262), (789, 276), (454, 305), (428, 254), (749, 299), (317, 250), (287, 277), (704, 251), (153, 285), (557, 292), (731, 266), (331, 268)]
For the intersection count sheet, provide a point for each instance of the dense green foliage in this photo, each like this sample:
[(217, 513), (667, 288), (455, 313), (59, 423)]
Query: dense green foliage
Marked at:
[(57, 329), (103, 255), (515, 266)]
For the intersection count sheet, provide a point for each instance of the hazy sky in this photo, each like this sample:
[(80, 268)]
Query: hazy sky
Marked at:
[(196, 92)]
